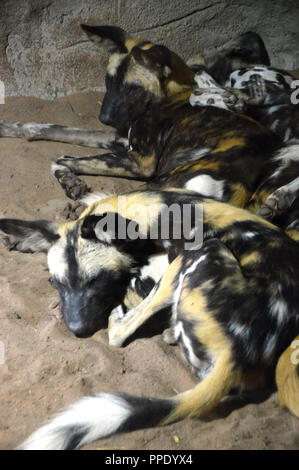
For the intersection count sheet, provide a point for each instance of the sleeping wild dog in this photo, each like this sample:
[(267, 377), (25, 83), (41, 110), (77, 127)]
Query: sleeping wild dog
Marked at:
[(159, 137), (234, 303)]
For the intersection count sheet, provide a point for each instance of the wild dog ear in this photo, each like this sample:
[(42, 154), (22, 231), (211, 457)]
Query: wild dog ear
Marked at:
[(29, 236), (250, 46), (255, 46), (115, 39), (110, 228), (158, 57)]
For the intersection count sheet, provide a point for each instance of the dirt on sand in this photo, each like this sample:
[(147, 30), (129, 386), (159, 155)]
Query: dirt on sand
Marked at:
[(46, 367)]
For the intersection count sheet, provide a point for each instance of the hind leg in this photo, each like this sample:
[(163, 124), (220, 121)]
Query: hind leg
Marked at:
[(215, 272), (214, 317)]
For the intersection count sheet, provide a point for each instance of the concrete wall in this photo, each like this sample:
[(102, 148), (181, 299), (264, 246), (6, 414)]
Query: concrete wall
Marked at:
[(44, 53)]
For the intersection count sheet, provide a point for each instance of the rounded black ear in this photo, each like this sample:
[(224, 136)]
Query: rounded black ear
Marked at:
[(257, 45), (111, 37), (110, 228), (251, 47)]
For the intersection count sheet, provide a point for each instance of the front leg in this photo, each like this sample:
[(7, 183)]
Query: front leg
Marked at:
[(121, 327), (121, 164)]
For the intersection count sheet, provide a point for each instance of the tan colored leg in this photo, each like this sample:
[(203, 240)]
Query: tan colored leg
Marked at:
[(161, 296)]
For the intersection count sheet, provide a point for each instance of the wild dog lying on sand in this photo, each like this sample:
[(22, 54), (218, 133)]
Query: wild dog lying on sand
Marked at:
[(234, 302), (164, 140)]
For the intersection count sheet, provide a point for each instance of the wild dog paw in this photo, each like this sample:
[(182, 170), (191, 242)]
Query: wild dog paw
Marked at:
[(234, 100), (116, 334), (257, 90), (12, 244), (73, 211), (8, 243), (74, 187), (275, 204), (169, 337), (9, 128)]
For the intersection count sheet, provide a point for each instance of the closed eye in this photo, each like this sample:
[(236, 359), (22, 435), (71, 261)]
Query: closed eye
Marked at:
[(56, 283)]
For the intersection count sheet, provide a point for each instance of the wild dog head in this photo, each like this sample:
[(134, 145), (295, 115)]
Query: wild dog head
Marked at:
[(138, 72), (90, 265)]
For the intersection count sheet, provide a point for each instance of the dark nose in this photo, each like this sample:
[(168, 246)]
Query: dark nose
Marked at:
[(106, 118), (79, 330)]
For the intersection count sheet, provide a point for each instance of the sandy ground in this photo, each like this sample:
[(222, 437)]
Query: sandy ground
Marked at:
[(45, 366)]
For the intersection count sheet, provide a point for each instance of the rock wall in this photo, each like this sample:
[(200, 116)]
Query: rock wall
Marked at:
[(44, 53)]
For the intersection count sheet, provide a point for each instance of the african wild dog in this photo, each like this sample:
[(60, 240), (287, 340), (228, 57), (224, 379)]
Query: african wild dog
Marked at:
[(272, 108), (234, 304), (164, 140)]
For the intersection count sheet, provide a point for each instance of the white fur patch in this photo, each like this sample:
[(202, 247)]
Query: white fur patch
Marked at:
[(202, 367), (114, 62), (156, 267), (208, 93), (210, 97), (287, 135), (206, 185), (57, 262), (93, 197), (238, 78), (288, 153), (192, 358), (97, 416), (56, 167), (249, 235), (276, 107), (278, 309), (239, 330)]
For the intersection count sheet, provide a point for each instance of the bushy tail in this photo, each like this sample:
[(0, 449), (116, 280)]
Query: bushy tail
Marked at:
[(93, 418), (287, 377)]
